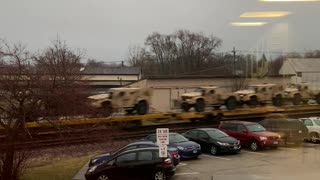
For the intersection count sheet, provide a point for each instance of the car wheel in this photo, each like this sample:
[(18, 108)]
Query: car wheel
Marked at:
[(231, 104), (200, 105), (142, 108), (253, 101), (297, 99), (314, 137), (159, 175), (103, 177), (277, 101), (213, 150), (254, 146)]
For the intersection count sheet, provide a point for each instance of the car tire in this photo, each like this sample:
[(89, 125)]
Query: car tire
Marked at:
[(297, 99), (254, 146), (213, 150), (200, 105), (159, 175), (277, 101), (314, 137), (142, 108), (231, 103), (253, 101), (185, 107), (103, 177)]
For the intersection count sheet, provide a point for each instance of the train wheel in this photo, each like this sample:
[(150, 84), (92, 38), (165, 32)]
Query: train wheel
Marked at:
[(200, 105)]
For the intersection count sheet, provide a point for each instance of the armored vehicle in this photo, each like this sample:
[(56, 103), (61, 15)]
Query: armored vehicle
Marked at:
[(301, 93)]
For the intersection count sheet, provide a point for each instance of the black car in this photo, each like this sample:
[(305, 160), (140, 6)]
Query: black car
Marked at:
[(143, 163), (140, 144), (213, 140), (292, 131)]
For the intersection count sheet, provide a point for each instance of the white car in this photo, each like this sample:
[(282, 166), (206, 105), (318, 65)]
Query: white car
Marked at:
[(313, 125)]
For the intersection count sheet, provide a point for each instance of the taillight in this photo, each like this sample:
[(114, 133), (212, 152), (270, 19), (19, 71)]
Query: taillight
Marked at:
[(167, 161), (174, 154)]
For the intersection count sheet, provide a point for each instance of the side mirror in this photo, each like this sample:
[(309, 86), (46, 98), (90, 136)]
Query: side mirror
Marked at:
[(245, 131)]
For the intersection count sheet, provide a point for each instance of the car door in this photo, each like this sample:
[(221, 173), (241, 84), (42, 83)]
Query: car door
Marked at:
[(144, 166), (242, 134), (124, 166), (203, 139)]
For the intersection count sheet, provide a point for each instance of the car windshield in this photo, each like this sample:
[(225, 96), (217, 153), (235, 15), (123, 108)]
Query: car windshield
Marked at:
[(255, 128), (216, 134), (177, 138)]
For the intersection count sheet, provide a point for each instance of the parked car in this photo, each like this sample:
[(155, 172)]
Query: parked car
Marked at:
[(187, 149), (140, 144), (292, 131), (250, 134), (143, 163), (313, 125), (213, 140)]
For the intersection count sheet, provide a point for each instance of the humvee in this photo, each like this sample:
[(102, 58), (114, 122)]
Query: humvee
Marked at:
[(301, 93), (132, 100), (208, 96), (261, 94)]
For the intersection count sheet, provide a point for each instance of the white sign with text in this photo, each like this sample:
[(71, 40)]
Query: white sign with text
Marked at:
[(162, 136)]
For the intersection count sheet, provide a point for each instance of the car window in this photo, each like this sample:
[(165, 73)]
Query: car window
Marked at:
[(240, 128), (146, 145), (127, 158), (145, 156), (192, 134), (202, 135), (228, 126), (317, 121), (308, 122), (151, 138), (126, 148)]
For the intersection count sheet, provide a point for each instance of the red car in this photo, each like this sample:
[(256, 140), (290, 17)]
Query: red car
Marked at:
[(250, 134)]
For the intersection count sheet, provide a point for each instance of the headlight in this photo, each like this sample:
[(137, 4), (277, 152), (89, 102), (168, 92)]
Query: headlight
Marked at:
[(263, 138), (241, 95), (91, 169), (188, 100), (223, 144), (180, 148)]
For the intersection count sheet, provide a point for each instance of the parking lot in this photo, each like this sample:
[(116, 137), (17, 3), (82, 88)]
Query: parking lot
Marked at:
[(280, 164), (294, 163)]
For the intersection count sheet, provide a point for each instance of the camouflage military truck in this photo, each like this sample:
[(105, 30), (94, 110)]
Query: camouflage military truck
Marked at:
[(301, 93), (208, 96), (261, 94), (132, 100)]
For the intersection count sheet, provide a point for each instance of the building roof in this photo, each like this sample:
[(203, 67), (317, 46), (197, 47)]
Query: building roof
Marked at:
[(111, 70), (305, 64)]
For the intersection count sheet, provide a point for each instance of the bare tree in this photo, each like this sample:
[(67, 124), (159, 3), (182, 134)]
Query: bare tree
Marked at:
[(18, 101)]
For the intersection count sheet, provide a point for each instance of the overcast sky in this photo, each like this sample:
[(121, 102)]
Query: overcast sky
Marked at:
[(106, 28)]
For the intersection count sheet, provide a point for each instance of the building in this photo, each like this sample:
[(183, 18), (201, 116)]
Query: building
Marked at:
[(100, 79), (168, 89), (302, 70)]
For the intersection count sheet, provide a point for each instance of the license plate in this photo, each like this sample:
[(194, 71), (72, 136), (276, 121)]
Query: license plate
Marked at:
[(195, 151)]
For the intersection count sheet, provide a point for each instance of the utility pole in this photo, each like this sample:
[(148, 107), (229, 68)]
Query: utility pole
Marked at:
[(234, 62)]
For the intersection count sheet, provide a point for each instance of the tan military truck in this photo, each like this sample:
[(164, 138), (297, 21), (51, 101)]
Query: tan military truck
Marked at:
[(132, 100), (208, 96), (261, 94), (301, 93)]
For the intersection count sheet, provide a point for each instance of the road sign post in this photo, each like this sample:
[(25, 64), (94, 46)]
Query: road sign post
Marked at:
[(163, 141)]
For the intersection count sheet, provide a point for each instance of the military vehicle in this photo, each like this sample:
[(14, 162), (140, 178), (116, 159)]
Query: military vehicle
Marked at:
[(132, 100), (208, 96), (261, 94), (301, 93)]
